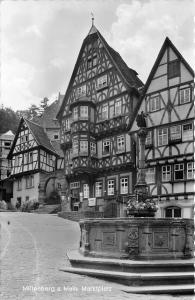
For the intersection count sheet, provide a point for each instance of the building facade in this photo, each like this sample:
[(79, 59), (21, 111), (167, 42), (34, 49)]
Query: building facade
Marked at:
[(6, 140), (95, 117), (168, 104), (37, 161)]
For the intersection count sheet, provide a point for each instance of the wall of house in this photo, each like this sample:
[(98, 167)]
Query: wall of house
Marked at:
[(24, 192)]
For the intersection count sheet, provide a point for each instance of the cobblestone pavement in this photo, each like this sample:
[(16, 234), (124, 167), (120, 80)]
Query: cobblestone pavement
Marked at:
[(33, 249)]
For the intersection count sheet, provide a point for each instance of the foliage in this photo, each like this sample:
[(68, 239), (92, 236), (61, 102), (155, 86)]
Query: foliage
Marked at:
[(8, 120), (148, 204)]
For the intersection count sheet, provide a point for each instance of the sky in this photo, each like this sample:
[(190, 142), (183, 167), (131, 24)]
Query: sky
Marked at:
[(40, 40)]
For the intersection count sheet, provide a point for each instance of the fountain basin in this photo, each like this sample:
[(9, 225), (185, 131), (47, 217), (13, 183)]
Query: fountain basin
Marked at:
[(137, 238)]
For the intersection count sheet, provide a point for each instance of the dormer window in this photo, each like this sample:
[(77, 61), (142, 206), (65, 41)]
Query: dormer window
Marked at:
[(81, 91), (173, 69), (154, 103), (101, 82)]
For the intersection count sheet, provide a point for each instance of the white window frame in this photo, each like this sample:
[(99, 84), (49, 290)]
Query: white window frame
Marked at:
[(67, 124), (124, 185), (84, 112), (83, 146), (29, 181), (75, 146), (106, 143), (81, 91), (102, 82), (184, 95), (166, 173), (111, 187), (75, 185), (190, 170), (121, 143), (93, 148), (175, 132), (178, 168), (187, 135), (75, 113), (118, 108), (151, 175), (162, 136), (149, 138), (154, 103), (85, 190), (98, 188), (105, 112)]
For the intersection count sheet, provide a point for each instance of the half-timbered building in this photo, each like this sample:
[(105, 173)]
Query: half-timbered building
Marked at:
[(95, 116), (37, 160), (168, 104)]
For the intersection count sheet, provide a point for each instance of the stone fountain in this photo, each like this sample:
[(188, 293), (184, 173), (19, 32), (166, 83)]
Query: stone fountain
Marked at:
[(138, 243)]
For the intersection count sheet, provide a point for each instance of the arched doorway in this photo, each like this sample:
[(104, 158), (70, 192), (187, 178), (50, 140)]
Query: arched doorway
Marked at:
[(51, 193)]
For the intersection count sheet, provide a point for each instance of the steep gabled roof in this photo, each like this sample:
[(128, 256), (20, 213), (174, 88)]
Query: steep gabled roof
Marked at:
[(38, 133), (167, 43), (129, 75)]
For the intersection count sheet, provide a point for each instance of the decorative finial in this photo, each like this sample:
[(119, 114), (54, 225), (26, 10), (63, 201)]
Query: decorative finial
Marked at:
[(92, 18)]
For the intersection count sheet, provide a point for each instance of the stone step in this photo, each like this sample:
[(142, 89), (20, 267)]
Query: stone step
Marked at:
[(137, 279), (127, 265), (162, 289)]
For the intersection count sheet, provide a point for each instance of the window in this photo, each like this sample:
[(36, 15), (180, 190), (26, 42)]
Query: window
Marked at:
[(105, 112), (150, 175), (124, 186), (30, 157), (173, 212), (166, 173), (149, 138), (101, 82), (81, 91), (179, 171), (93, 148), (173, 69), (83, 146), (67, 122), (190, 170), (175, 132), (7, 145), (27, 198), (75, 147), (56, 136), (75, 113), (184, 95), (187, 133), (118, 108), (84, 112), (120, 143), (74, 185), (106, 147), (111, 187), (29, 181), (19, 184), (92, 61), (154, 103), (85, 190), (162, 136), (98, 189)]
